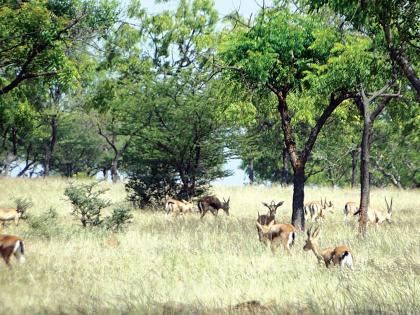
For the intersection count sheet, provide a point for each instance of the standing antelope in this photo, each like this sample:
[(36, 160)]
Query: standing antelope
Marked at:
[(340, 255), (213, 204), (178, 206), (265, 219), (14, 214), (11, 245), (350, 207), (318, 209), (277, 234), (377, 217)]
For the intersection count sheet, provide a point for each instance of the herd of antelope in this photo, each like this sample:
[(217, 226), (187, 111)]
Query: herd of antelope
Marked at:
[(268, 229)]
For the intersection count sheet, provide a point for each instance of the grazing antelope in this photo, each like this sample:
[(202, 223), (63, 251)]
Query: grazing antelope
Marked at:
[(178, 206), (340, 255), (377, 217), (264, 219), (213, 204), (350, 207), (277, 234), (11, 245)]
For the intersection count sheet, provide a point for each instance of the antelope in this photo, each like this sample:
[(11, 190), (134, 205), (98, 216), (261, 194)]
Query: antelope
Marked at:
[(213, 204), (340, 255), (350, 207), (9, 214), (278, 233), (264, 219), (11, 245), (178, 206), (318, 209), (378, 217)]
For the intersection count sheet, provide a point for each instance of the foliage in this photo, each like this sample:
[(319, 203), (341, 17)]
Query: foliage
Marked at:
[(44, 225), (87, 203), (23, 204), (121, 216)]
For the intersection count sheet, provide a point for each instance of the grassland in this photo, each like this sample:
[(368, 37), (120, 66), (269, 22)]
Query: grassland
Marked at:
[(183, 265)]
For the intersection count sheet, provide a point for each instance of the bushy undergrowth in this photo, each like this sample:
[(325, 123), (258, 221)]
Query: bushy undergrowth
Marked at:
[(185, 265)]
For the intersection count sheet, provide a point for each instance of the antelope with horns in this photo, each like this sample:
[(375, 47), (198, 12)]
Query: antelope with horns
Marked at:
[(349, 208), (213, 204), (178, 206), (277, 234), (11, 245), (378, 217), (265, 219), (338, 256), (318, 209)]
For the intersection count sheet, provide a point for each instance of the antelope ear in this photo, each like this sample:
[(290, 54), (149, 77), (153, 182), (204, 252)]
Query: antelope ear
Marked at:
[(316, 233), (308, 232), (228, 200), (279, 203), (266, 205)]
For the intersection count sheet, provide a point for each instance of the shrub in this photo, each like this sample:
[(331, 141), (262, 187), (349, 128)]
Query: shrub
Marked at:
[(23, 204), (121, 216), (44, 225), (87, 203)]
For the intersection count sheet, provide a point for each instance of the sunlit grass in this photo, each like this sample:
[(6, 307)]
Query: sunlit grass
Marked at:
[(161, 264)]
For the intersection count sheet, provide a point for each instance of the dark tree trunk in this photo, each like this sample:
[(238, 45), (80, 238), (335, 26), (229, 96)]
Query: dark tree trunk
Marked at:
[(285, 168), (353, 167), (364, 169), (50, 146), (251, 171), (298, 216)]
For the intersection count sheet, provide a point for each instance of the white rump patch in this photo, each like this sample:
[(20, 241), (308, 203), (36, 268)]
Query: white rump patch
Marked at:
[(347, 260), (291, 239), (17, 252)]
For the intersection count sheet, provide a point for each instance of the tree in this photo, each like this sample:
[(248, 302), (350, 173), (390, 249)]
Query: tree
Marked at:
[(392, 24), (276, 54), (37, 38)]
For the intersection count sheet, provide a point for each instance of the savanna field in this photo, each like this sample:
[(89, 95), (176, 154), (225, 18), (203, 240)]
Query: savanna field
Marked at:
[(161, 264)]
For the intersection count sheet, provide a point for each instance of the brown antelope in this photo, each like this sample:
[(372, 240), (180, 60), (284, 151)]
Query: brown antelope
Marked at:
[(213, 204), (318, 209), (350, 208), (340, 255), (10, 214), (378, 217), (277, 234), (11, 245), (178, 206), (264, 219)]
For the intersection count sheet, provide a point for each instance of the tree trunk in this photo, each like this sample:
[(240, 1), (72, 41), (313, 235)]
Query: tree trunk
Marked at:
[(285, 169), (399, 57), (49, 148), (298, 218), (353, 167), (251, 171), (114, 170), (364, 168)]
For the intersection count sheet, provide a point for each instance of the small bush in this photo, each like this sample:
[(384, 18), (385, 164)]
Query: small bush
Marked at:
[(44, 225), (23, 204), (87, 203), (121, 216)]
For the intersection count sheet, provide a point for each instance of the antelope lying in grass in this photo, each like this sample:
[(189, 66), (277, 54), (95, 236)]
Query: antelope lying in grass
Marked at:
[(14, 214), (277, 234), (340, 255), (213, 204), (11, 245), (265, 219), (178, 206), (317, 210), (377, 217), (350, 208)]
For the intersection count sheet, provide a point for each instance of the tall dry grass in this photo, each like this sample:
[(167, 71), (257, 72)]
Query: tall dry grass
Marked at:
[(183, 265)]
